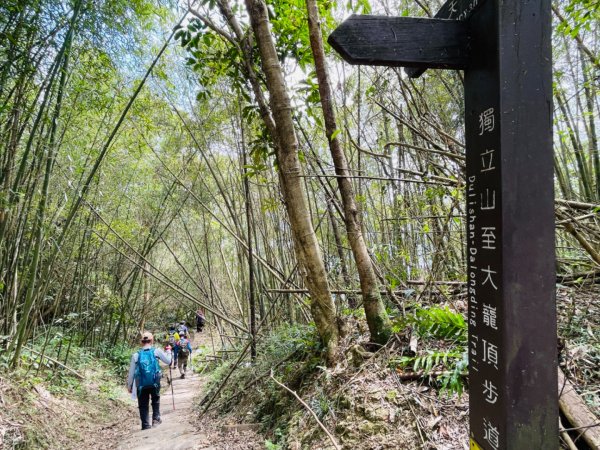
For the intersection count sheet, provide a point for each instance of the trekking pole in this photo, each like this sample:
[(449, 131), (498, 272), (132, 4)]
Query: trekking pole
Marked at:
[(172, 393)]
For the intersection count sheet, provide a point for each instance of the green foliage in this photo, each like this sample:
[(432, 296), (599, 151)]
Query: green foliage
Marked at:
[(271, 446), (438, 324), (453, 380), (291, 339), (62, 384), (454, 364), (583, 14), (441, 323), (427, 362), (119, 355), (321, 405), (358, 6), (290, 26), (294, 353), (211, 58)]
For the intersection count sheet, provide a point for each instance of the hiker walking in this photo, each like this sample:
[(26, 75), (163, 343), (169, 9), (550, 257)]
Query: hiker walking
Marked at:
[(182, 329), (200, 321), (144, 376), (172, 338), (183, 350)]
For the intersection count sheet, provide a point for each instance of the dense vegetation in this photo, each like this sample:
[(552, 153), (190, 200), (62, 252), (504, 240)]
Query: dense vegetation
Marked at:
[(147, 154)]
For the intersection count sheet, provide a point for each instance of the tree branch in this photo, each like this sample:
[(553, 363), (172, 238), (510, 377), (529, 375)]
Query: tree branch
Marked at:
[(329, 435)]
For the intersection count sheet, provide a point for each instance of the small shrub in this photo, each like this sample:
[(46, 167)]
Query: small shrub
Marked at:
[(119, 356), (438, 324), (271, 446)]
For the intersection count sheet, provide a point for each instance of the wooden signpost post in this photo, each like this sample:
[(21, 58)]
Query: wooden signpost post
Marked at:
[(504, 49)]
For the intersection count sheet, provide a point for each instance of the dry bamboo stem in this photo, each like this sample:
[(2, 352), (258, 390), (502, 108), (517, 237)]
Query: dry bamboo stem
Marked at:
[(329, 435), (577, 412), (565, 436), (576, 205), (77, 374)]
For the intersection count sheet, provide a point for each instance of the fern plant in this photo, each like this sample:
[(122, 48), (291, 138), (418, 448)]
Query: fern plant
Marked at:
[(453, 380), (439, 324), (452, 364), (430, 360)]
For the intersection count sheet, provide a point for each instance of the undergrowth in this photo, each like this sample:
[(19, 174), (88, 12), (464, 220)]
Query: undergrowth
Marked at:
[(57, 405), (293, 353), (444, 334)]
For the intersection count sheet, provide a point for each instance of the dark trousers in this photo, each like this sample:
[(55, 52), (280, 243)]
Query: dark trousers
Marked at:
[(143, 404)]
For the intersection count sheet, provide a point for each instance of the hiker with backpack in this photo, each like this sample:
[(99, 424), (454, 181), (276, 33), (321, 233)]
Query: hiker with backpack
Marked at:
[(172, 338), (183, 349), (200, 321), (144, 376), (182, 329)]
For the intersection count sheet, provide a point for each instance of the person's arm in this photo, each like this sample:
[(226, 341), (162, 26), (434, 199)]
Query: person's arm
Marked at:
[(158, 353), (131, 372)]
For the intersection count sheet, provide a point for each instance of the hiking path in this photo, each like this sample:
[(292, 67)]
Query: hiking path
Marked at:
[(177, 430)]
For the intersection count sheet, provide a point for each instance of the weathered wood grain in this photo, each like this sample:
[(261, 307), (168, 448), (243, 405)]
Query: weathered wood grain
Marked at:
[(402, 42), (452, 9)]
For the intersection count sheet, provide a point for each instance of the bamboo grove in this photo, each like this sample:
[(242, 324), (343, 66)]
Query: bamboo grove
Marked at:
[(159, 157)]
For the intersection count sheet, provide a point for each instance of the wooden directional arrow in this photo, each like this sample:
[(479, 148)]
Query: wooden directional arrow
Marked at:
[(455, 10), (402, 42)]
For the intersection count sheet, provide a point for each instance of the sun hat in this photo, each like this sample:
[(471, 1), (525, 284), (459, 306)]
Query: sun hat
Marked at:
[(147, 337)]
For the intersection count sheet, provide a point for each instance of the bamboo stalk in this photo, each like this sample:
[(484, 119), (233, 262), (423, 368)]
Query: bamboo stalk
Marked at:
[(308, 408)]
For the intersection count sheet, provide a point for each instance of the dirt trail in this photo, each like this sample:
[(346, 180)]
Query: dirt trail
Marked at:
[(180, 428), (177, 431)]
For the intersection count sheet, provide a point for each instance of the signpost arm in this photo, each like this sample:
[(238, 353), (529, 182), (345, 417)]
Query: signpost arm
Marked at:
[(402, 41)]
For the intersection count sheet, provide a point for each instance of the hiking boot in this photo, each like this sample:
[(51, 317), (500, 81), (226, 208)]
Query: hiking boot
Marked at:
[(146, 428), (156, 422), (182, 376)]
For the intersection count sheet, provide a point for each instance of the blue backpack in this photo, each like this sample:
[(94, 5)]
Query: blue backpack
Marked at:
[(147, 371)]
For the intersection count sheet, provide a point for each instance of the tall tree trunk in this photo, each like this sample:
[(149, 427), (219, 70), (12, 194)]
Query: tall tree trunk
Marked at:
[(145, 296), (34, 280), (377, 318), (589, 91), (307, 247), (249, 221)]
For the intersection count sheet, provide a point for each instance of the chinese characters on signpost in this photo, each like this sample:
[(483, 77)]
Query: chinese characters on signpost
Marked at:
[(485, 274)]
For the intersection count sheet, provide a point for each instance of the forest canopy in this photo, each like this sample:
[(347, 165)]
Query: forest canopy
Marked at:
[(157, 157)]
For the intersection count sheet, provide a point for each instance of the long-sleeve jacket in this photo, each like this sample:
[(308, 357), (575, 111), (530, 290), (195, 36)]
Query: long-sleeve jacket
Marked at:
[(158, 353)]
